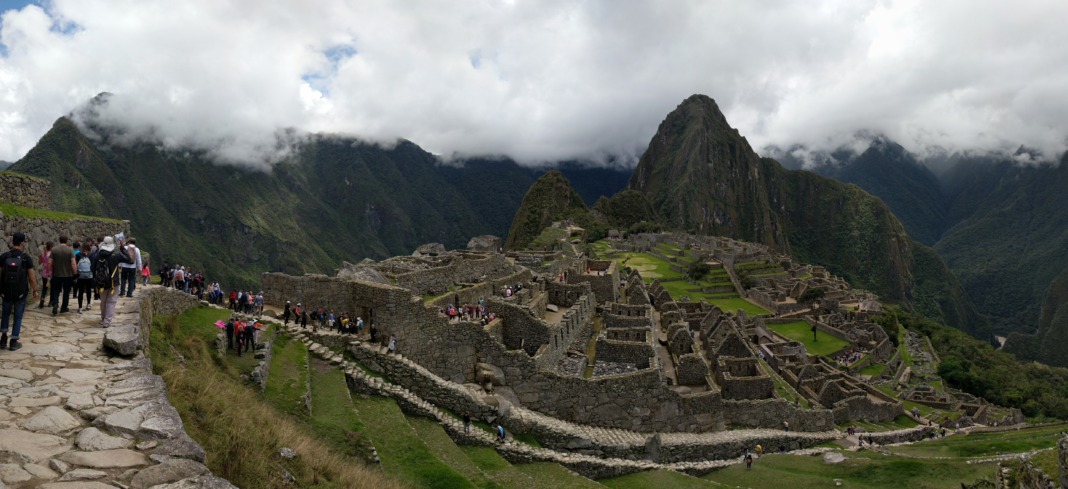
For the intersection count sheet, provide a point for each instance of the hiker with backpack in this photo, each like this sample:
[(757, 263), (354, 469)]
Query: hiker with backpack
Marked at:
[(84, 286), (16, 281), (106, 277)]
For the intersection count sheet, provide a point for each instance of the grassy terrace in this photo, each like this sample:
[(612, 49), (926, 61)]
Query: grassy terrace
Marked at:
[(240, 430), (823, 345), (985, 443), (12, 210), (860, 469)]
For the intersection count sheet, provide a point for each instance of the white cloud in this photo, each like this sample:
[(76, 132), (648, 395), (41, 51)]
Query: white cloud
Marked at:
[(544, 80)]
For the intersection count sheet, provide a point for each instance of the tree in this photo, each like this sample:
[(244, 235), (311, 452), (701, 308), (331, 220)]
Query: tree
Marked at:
[(697, 270), (811, 295)]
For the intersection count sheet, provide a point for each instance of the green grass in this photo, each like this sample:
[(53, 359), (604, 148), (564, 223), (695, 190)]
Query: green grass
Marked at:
[(860, 469), (550, 475), (659, 479), (239, 430), (497, 468), (12, 210), (435, 438), (983, 444), (824, 344), (1047, 461), (650, 267), (332, 415), (288, 379), (874, 370), (900, 422), (400, 448), (732, 305), (783, 389)]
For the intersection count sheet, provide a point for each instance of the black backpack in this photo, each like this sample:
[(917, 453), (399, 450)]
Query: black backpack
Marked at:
[(13, 278), (102, 272)]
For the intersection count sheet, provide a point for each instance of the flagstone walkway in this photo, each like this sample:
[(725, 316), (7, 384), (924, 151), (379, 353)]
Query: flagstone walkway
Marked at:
[(75, 416)]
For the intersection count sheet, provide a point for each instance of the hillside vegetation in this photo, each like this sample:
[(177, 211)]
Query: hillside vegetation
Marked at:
[(333, 199)]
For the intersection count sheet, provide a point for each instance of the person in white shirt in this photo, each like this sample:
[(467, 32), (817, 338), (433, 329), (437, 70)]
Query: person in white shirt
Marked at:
[(129, 272)]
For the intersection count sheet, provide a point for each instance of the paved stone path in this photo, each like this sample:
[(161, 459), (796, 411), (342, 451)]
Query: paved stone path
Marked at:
[(73, 416)]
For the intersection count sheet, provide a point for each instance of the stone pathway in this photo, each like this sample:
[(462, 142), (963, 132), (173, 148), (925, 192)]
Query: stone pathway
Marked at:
[(73, 416)]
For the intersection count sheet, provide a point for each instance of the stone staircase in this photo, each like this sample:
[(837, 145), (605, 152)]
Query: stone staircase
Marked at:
[(596, 452)]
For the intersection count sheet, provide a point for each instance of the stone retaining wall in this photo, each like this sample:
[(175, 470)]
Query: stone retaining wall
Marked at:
[(24, 190), (40, 230)]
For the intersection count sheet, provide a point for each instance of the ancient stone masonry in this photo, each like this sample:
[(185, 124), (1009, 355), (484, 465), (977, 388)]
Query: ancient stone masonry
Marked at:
[(40, 230), (24, 190), (72, 412)]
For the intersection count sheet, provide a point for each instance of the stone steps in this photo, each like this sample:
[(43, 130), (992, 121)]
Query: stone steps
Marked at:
[(609, 442), (587, 465)]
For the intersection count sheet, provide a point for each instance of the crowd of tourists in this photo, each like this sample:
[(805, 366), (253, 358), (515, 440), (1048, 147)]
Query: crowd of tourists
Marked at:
[(243, 301), (340, 322), (849, 357), (189, 281), (469, 312)]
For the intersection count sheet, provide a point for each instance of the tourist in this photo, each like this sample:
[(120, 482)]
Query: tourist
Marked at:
[(230, 333), (15, 288), (46, 272), (259, 303), (785, 425), (63, 267), (748, 461), (233, 300), (128, 278), (374, 334), (145, 273), (359, 325), (500, 433), (108, 285), (303, 319), (84, 286), (392, 343), (467, 422), (250, 337), (239, 329), (285, 314)]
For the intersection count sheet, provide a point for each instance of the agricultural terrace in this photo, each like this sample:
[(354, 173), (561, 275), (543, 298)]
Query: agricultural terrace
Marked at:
[(669, 264)]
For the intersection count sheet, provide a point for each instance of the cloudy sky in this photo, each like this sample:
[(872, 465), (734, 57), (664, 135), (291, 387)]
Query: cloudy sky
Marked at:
[(539, 80)]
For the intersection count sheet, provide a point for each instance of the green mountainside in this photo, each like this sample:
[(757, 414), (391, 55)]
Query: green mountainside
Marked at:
[(333, 199), (889, 172), (1000, 226), (551, 198), (701, 176)]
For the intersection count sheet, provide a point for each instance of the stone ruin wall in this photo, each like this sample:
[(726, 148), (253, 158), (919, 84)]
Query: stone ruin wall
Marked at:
[(633, 353), (25, 190), (437, 280), (39, 230), (471, 293), (770, 413), (605, 287), (565, 295)]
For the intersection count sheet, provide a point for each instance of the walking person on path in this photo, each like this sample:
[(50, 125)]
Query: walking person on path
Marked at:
[(128, 280), (16, 281), (83, 288), (106, 277), (46, 272), (63, 267)]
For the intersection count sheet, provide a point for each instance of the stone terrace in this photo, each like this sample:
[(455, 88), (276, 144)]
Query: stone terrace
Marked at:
[(73, 415)]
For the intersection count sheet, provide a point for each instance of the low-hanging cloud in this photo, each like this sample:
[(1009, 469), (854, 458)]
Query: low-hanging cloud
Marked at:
[(539, 81)]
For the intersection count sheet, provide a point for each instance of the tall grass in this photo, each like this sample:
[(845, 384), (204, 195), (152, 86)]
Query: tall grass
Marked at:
[(242, 433)]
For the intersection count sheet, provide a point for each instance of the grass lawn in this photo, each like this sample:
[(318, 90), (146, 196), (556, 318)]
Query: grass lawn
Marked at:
[(332, 415), (13, 210), (497, 468), (824, 344), (402, 452), (288, 379), (434, 436), (732, 306), (860, 469), (983, 444), (649, 266), (240, 431), (873, 370), (550, 475), (661, 479)]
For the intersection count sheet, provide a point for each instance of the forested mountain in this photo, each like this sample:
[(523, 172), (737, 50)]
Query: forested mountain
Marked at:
[(333, 199), (701, 176), (1000, 225)]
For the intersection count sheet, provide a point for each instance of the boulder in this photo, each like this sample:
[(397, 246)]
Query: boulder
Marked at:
[(485, 242), (92, 439), (51, 419), (489, 373), (833, 458), (429, 249), (123, 339), (106, 459), (167, 472)]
